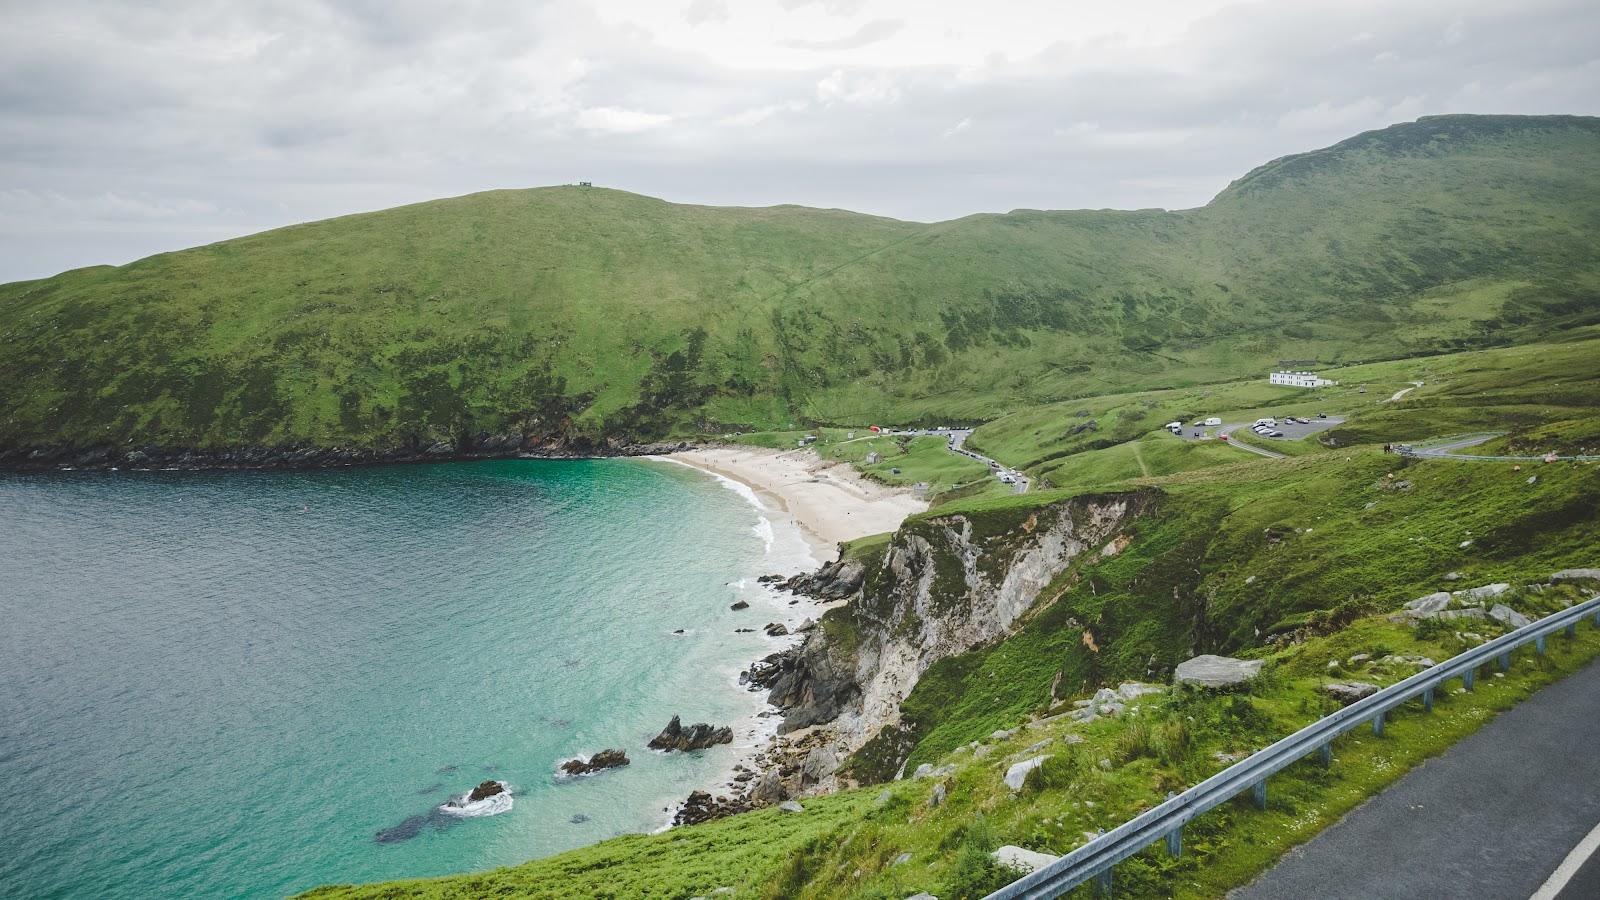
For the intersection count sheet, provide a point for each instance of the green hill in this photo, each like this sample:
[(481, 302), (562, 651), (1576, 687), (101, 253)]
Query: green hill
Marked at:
[(579, 314)]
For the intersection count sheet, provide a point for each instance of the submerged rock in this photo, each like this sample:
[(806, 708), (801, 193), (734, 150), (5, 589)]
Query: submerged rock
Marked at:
[(605, 759), (696, 737)]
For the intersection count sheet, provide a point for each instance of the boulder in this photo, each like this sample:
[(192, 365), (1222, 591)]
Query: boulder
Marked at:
[(770, 789), (486, 790), (1132, 690), (605, 759), (738, 605), (937, 796), (1210, 671), (1432, 603), (776, 629), (927, 770), (791, 806), (702, 807), (1508, 617), (1570, 575), (1348, 692), (922, 896), (1482, 592), (819, 764), (696, 737), (1022, 859), (1018, 773)]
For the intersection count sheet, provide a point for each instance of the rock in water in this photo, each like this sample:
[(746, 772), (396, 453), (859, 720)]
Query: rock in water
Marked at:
[(696, 737), (702, 807), (605, 759), (485, 791), (1216, 671), (487, 799)]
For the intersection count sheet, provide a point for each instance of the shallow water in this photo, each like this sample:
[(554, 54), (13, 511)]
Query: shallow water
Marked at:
[(249, 684)]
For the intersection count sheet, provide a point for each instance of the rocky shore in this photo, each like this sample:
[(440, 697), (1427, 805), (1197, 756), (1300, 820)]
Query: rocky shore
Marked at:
[(484, 446)]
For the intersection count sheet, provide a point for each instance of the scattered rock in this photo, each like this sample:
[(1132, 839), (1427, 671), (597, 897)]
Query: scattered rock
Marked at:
[(740, 604), (922, 896), (819, 764), (702, 807), (1508, 617), (486, 790), (1333, 665), (1432, 603), (1465, 544), (1421, 662), (791, 806), (1484, 592), (1452, 576), (883, 797), (938, 794), (1002, 734), (1357, 659), (926, 770), (1210, 671), (1348, 692), (776, 629), (900, 860), (1018, 773), (578, 819), (696, 737), (605, 759), (1570, 575), (1021, 859)]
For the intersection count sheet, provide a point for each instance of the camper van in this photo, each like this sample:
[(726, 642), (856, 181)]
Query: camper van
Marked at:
[(1175, 427), (1213, 421)]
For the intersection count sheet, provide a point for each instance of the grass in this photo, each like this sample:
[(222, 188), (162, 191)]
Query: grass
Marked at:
[(584, 314)]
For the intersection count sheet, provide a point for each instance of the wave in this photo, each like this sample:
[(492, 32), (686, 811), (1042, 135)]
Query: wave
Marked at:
[(763, 530), (738, 487)]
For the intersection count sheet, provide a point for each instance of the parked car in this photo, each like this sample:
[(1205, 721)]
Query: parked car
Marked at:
[(1276, 434), (1322, 415)]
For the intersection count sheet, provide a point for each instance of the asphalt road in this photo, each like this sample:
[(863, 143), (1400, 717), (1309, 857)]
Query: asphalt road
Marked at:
[(1492, 817)]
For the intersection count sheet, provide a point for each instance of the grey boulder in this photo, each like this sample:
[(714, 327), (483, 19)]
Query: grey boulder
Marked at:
[(1210, 671)]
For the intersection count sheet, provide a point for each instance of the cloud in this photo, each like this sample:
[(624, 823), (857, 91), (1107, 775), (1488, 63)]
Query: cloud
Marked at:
[(127, 129), (870, 33)]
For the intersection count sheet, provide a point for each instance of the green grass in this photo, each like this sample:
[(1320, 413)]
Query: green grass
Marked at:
[(589, 314)]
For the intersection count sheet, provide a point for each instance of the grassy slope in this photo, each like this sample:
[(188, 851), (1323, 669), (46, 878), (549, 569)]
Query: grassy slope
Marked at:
[(593, 311), (1349, 548)]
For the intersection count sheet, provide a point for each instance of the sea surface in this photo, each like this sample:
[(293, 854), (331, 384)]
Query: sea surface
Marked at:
[(232, 684)]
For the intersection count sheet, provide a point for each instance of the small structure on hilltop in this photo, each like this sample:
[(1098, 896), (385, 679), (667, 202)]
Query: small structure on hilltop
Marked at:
[(1299, 379)]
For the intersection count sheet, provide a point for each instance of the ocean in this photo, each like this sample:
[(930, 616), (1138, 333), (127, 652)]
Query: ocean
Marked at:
[(247, 684)]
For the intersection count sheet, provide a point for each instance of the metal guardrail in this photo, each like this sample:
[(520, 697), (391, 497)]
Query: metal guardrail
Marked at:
[(1095, 860)]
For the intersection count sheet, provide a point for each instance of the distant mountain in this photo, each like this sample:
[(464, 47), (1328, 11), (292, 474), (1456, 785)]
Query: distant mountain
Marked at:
[(574, 314)]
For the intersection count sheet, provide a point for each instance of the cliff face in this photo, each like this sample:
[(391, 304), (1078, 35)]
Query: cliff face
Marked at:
[(944, 585)]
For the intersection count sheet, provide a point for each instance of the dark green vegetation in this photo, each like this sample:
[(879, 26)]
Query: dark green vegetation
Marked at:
[(568, 315)]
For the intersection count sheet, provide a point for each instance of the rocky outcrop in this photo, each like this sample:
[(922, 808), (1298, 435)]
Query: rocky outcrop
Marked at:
[(944, 585), (696, 737), (1215, 672), (605, 759), (1348, 692), (1022, 859), (486, 790), (1572, 575), (1508, 617), (702, 807)]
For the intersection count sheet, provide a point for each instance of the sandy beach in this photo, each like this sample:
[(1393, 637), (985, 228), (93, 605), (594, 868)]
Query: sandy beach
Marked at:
[(829, 501)]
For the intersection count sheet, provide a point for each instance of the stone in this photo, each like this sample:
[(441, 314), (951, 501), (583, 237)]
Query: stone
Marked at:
[(819, 764), (1349, 691), (605, 759), (1569, 575), (739, 604), (1104, 696), (884, 796), (1421, 662), (696, 737), (900, 860), (1073, 739), (1508, 617), (1002, 734), (1132, 690), (486, 790), (922, 896), (1483, 592), (770, 789), (791, 806), (1357, 659), (937, 795), (1432, 603), (1210, 671), (982, 750), (776, 629), (1018, 773), (1467, 612), (1465, 544), (1452, 576), (1022, 859), (1333, 665)]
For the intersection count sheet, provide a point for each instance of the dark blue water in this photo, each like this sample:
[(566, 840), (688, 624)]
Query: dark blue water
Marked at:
[(227, 684)]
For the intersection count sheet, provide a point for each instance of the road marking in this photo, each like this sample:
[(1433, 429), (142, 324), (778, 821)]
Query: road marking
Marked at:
[(1569, 867)]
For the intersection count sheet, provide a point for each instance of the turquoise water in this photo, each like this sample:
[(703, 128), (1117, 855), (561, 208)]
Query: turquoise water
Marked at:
[(227, 684)]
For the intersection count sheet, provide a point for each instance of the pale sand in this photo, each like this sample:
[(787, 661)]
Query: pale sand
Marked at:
[(829, 501)]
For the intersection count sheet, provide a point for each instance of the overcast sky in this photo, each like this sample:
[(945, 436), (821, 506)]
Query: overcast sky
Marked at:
[(132, 128)]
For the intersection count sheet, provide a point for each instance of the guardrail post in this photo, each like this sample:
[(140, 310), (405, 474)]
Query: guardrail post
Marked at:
[(1377, 724), (1572, 629), (1597, 620), (1259, 791), (1468, 677), (1427, 699), (1538, 644), (1505, 662), (1175, 842), (1326, 752), (1102, 883)]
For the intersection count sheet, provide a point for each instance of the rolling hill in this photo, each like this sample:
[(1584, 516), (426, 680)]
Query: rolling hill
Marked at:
[(572, 316)]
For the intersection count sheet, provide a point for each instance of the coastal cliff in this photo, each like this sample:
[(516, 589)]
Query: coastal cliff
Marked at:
[(942, 585)]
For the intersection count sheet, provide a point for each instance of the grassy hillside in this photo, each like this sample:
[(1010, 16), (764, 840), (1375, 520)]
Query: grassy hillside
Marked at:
[(584, 313), (1297, 562)]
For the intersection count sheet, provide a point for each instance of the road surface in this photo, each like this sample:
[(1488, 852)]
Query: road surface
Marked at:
[(956, 439), (1494, 816)]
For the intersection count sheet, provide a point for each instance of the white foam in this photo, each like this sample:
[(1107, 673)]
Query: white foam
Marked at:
[(763, 530), (738, 487), (488, 806)]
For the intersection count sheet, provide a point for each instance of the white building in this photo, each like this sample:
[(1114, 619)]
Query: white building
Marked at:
[(1299, 379)]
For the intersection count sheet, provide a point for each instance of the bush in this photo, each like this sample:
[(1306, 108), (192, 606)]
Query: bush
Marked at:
[(1173, 742), (1135, 741), (1056, 772)]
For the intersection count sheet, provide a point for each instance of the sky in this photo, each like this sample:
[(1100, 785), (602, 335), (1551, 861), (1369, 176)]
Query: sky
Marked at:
[(133, 128)]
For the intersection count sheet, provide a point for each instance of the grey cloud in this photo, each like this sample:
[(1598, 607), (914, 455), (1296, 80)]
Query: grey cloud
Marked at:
[(129, 130), (870, 33)]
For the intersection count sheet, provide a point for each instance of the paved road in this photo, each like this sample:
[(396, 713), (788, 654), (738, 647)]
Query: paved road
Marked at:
[(956, 439), (1492, 817), (1448, 451)]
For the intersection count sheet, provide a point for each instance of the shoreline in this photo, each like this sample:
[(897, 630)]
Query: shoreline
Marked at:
[(823, 504), (828, 501)]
